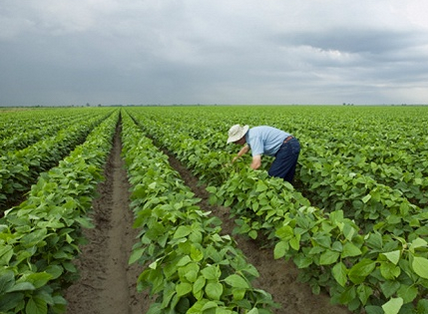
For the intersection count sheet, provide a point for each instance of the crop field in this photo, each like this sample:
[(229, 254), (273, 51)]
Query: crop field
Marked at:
[(139, 210)]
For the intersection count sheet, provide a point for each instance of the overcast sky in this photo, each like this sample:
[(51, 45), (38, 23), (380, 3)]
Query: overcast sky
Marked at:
[(57, 52)]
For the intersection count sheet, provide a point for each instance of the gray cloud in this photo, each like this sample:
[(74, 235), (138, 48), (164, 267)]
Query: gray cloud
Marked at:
[(55, 52)]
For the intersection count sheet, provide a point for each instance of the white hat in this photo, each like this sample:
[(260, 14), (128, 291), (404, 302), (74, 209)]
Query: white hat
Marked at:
[(236, 132)]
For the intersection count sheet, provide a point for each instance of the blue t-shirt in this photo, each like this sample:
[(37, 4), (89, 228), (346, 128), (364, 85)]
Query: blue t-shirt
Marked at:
[(265, 140)]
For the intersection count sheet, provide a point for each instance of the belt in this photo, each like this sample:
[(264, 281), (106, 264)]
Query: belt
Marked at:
[(288, 138)]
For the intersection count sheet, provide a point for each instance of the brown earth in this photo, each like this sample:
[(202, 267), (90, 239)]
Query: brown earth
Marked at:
[(108, 284)]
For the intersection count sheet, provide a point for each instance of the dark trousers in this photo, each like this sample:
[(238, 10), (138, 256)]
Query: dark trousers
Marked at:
[(284, 165)]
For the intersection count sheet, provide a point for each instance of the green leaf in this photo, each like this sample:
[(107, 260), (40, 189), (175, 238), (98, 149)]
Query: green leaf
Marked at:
[(168, 293), (182, 305), (375, 240), (6, 254), (253, 234), (284, 232), (348, 295), (10, 301), (191, 275), (182, 232), (7, 280), (237, 281), (323, 240), (389, 287), (393, 256), (295, 242), (36, 306), (155, 308), (261, 186), (153, 265), (420, 266), (39, 279), (209, 305), (69, 266), (34, 237), (214, 290), (196, 254), (184, 261), (302, 261), (393, 306), (366, 198), (189, 272), (373, 309), (361, 270), (329, 257), (349, 231), (183, 288), (417, 243), (136, 255), (350, 249), (54, 270), (280, 249), (238, 293), (389, 271), (22, 286), (211, 272), (339, 273), (408, 293), (85, 222), (364, 292), (199, 284), (422, 306)]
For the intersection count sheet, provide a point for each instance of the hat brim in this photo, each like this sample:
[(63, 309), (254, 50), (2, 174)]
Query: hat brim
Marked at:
[(238, 136)]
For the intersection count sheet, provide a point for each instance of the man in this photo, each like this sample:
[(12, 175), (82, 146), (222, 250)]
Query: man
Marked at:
[(270, 141)]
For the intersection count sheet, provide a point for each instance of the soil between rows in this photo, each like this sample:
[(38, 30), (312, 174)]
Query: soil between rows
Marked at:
[(108, 283)]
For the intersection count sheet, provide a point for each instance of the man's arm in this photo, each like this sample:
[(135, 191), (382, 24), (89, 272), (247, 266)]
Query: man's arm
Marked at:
[(243, 151), (257, 162)]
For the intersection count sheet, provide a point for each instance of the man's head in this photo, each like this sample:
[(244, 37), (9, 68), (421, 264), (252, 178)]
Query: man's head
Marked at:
[(237, 134)]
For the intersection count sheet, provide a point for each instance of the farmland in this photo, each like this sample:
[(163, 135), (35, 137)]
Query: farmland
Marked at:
[(209, 236)]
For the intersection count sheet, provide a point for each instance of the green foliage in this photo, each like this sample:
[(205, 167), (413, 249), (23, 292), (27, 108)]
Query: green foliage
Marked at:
[(362, 236), (40, 238), (21, 166), (190, 267)]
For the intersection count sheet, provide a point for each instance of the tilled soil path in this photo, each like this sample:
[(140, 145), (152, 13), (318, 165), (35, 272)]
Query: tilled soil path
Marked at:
[(108, 284)]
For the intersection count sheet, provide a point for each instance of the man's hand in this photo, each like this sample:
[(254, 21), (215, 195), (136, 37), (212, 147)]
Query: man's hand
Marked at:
[(257, 162)]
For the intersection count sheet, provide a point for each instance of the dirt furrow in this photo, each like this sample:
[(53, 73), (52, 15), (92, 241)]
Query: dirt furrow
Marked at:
[(107, 284)]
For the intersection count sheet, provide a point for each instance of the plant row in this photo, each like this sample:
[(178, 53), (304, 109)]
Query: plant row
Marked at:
[(378, 271), (363, 199), (21, 121), (190, 267), (325, 180), (19, 169), (373, 142), (32, 130), (332, 174), (40, 238)]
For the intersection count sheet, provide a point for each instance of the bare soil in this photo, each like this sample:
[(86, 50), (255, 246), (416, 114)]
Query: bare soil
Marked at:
[(108, 284)]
